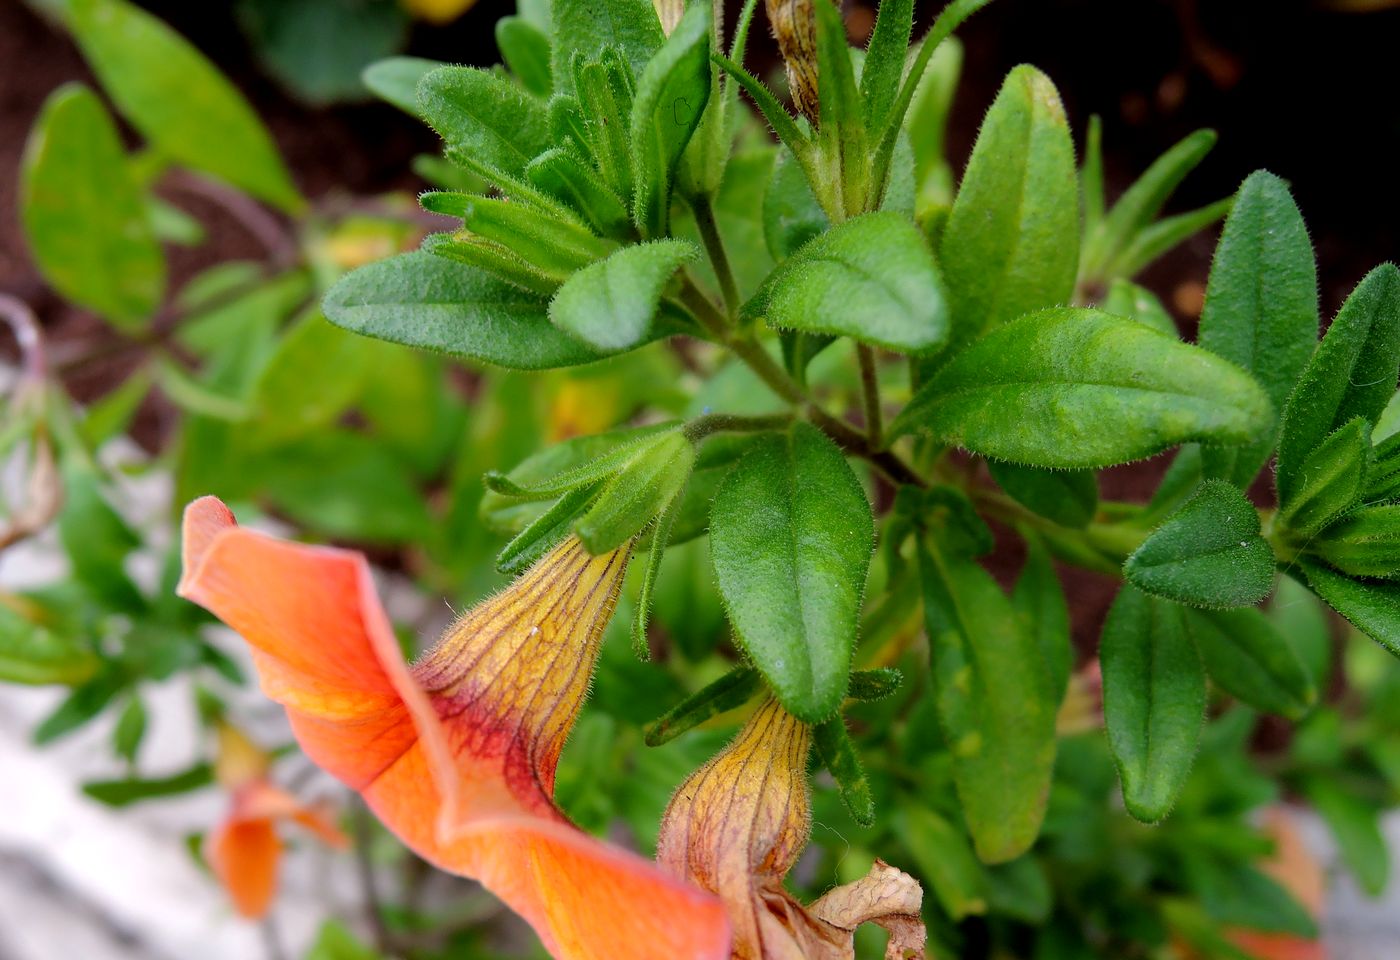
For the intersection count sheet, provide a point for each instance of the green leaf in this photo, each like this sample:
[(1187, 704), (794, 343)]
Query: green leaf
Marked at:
[(483, 116), (576, 462), (121, 793), (546, 531), (1252, 661), (660, 539), (1154, 699), (1352, 374), (1142, 201), (525, 50), (1355, 826), (1207, 554), (317, 373), (130, 729), (611, 305), (1261, 304), (553, 245), (1331, 479), (734, 689), (1012, 240), (1039, 600), (994, 702), (946, 861), (1075, 388), (838, 755), (637, 494), (83, 214), (883, 71), (841, 133), (1303, 619), (1365, 543), (425, 301), (1236, 894), (671, 97), (97, 540), (1373, 608), (927, 127), (395, 80), (1155, 240), (872, 278), (583, 29), (36, 650), (786, 129), (1068, 497), (1127, 299), (319, 48), (334, 942), (564, 176), (791, 213), (1091, 176), (178, 100), (874, 684), (791, 535)]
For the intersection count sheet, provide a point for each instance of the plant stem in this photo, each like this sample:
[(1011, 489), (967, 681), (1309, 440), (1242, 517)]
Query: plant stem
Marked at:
[(870, 391), (714, 247), (368, 885), (703, 426)]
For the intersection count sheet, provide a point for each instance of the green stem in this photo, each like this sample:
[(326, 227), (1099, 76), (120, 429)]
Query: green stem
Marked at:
[(714, 247), (711, 423), (870, 392)]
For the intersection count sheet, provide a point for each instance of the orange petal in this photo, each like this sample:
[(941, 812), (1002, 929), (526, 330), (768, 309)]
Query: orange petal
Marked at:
[(243, 855), (457, 756), (262, 800)]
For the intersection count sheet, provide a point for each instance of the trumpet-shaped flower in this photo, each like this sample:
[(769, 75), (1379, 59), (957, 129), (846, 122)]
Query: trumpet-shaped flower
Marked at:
[(738, 825), (244, 849), (457, 753)]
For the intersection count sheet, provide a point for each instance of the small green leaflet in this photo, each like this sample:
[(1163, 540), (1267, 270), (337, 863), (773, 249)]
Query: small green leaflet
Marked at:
[(610, 305), (872, 278), (1208, 554), (484, 116)]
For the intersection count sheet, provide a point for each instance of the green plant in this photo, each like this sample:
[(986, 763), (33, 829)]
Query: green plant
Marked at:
[(813, 381)]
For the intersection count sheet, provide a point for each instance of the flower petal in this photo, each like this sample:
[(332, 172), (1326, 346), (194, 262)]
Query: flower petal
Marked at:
[(456, 756), (244, 855)]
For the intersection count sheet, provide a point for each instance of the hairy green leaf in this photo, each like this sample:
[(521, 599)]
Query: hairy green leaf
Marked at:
[(1372, 607), (1207, 554), (610, 305), (1365, 543), (1077, 388), (425, 301), (838, 755), (583, 29), (1261, 305), (791, 535), (872, 278), (994, 702), (1352, 374), (1154, 699), (1251, 660), (671, 97), (734, 689), (1127, 299), (484, 116), (1068, 497), (1012, 240), (1040, 601), (1329, 482), (639, 493), (525, 50)]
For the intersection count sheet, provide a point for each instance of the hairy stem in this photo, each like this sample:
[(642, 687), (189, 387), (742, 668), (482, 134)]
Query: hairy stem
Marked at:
[(870, 393), (714, 248)]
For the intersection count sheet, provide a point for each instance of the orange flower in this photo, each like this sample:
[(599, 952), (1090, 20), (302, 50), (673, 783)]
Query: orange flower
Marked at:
[(243, 850), (456, 754), (738, 825)]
